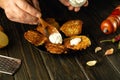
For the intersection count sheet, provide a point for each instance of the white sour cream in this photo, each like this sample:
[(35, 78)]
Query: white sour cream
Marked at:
[(55, 38), (75, 41)]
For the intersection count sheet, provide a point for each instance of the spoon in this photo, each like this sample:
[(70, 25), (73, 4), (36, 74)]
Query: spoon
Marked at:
[(50, 31)]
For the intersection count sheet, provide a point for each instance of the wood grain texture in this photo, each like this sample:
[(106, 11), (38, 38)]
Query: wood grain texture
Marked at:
[(38, 64)]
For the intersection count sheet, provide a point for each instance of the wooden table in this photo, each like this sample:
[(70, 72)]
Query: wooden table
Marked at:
[(41, 65)]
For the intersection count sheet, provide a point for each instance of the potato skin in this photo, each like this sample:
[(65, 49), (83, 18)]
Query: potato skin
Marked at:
[(83, 44), (72, 27), (55, 48), (35, 37)]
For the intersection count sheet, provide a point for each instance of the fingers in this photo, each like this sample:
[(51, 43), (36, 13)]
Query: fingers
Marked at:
[(86, 4), (18, 15), (77, 9), (70, 7), (21, 11), (28, 8), (65, 2)]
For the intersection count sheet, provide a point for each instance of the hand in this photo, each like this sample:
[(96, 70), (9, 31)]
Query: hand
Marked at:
[(21, 11), (70, 7)]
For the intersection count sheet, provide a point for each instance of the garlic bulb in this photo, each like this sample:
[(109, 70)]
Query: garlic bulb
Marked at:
[(91, 63)]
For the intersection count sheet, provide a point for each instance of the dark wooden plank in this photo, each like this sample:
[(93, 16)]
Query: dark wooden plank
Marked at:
[(6, 77), (15, 49), (100, 71), (4, 51), (33, 61), (112, 61), (62, 67), (39, 65)]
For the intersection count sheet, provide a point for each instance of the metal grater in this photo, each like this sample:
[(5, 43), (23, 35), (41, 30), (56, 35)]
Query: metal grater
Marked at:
[(9, 65)]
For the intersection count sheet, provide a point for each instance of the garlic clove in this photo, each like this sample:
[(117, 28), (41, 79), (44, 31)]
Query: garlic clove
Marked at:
[(91, 63), (109, 51), (98, 49)]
